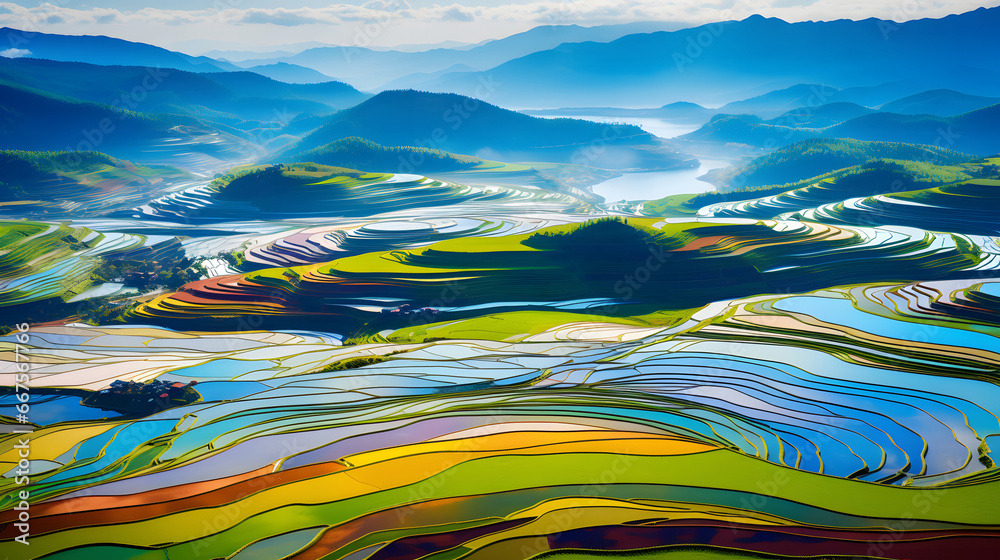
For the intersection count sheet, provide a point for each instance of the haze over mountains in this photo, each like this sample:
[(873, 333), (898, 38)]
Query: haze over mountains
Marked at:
[(222, 51), (874, 86), (376, 68), (940, 102), (290, 73)]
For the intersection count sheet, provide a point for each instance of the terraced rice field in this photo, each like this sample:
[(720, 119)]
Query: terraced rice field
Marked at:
[(492, 372), (42, 261)]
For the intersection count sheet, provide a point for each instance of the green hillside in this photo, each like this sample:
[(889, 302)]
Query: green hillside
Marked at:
[(32, 119), (464, 125), (814, 157), (357, 153), (93, 182), (819, 117), (973, 132), (876, 176), (748, 129)]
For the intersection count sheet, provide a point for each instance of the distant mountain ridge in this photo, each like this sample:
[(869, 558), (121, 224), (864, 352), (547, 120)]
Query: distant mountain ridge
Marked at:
[(801, 105), (371, 69), (939, 102), (222, 96), (822, 116), (812, 97), (291, 73), (974, 132), (680, 111), (109, 51), (646, 69), (98, 49)]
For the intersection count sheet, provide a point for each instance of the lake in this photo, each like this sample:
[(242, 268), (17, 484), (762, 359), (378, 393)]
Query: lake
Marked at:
[(658, 184)]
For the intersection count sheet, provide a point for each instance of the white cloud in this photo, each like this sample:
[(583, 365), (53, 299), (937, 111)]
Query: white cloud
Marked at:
[(280, 16), (15, 53), (458, 13)]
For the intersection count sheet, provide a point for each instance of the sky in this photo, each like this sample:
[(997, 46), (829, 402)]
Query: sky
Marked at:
[(194, 26)]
